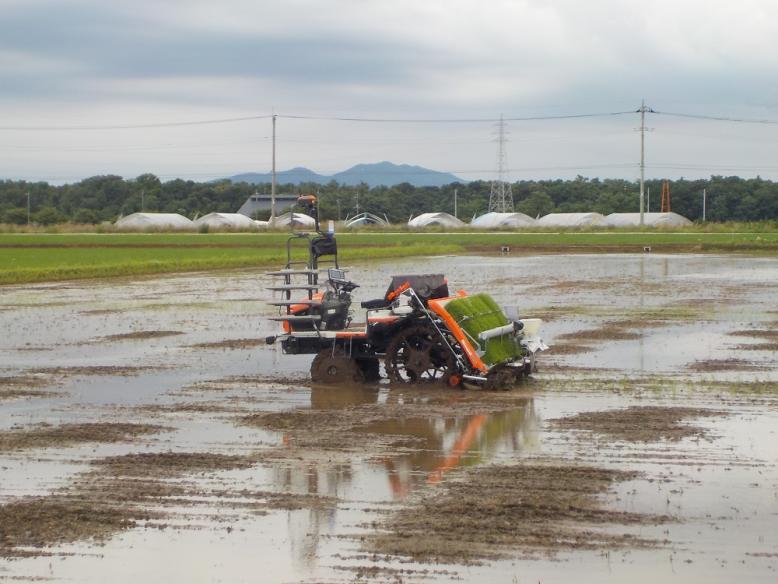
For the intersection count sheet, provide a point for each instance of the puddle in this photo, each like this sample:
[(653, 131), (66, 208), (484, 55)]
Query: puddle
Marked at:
[(320, 471)]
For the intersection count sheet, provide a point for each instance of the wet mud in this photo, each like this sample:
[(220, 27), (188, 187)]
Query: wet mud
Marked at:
[(714, 365), (139, 336), (768, 339), (643, 449), (46, 435), (137, 490), (610, 331), (24, 386), (100, 370), (495, 510), (640, 423), (122, 492), (231, 344)]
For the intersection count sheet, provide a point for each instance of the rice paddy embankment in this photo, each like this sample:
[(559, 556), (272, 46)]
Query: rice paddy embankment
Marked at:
[(38, 257)]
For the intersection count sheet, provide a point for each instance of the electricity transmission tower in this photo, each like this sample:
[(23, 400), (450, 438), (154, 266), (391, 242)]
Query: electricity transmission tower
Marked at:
[(501, 197)]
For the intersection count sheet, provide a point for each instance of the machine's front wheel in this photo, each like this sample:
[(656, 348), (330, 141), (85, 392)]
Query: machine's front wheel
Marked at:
[(503, 378), (335, 366), (418, 355), (371, 369)]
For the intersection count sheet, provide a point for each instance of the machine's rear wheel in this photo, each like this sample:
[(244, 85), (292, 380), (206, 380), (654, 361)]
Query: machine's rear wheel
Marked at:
[(334, 366), (418, 355)]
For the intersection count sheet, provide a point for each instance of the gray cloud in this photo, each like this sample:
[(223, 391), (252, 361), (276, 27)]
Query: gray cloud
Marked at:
[(82, 61)]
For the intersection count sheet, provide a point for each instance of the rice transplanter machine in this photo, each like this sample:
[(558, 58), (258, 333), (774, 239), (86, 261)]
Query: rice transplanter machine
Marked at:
[(418, 330)]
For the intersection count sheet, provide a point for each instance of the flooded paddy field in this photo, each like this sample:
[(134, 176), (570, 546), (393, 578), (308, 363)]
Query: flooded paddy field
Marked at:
[(147, 433)]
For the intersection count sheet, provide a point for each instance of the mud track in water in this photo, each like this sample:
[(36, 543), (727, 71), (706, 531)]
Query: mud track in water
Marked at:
[(22, 386), (45, 435), (231, 344), (496, 510), (610, 331), (122, 492), (714, 365), (769, 338), (95, 370), (639, 423), (140, 336)]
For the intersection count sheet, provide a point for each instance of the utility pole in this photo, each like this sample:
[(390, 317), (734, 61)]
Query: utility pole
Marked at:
[(703, 205), (455, 202), (648, 200), (142, 200), (28, 207), (273, 180), (643, 109)]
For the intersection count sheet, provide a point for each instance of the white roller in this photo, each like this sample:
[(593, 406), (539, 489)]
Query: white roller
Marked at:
[(496, 332)]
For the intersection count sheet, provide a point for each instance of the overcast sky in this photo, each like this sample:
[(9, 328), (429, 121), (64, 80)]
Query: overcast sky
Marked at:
[(100, 63)]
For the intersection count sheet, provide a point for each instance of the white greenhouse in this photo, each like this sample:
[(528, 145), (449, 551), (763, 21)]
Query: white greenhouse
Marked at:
[(650, 219), (503, 220), (151, 221), (300, 219), (570, 219), (429, 219), (366, 219), (225, 221)]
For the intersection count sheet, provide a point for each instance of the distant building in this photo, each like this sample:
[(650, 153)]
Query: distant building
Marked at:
[(225, 221), (494, 220), (151, 221), (428, 219), (366, 219), (257, 203), (291, 218), (570, 219), (650, 219)]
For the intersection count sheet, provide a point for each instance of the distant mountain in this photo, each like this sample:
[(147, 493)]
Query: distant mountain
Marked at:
[(295, 176), (380, 173), (386, 173)]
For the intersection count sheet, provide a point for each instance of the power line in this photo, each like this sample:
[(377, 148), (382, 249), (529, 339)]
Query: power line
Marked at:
[(214, 121), (135, 148), (453, 120), (716, 118), (130, 126), (300, 117), (711, 167)]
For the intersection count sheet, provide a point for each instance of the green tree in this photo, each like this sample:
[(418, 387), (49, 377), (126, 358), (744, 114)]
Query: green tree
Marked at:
[(48, 216), (539, 203), (15, 215), (86, 216)]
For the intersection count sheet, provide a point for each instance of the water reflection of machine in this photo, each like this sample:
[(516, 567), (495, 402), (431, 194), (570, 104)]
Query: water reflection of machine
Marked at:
[(440, 443), (435, 446), (454, 442)]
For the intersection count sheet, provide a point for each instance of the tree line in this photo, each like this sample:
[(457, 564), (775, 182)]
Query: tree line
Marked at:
[(106, 198)]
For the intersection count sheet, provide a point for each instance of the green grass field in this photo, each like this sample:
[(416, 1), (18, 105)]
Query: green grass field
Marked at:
[(39, 257)]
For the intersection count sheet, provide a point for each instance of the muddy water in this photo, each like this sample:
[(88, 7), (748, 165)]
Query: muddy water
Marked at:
[(362, 453)]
